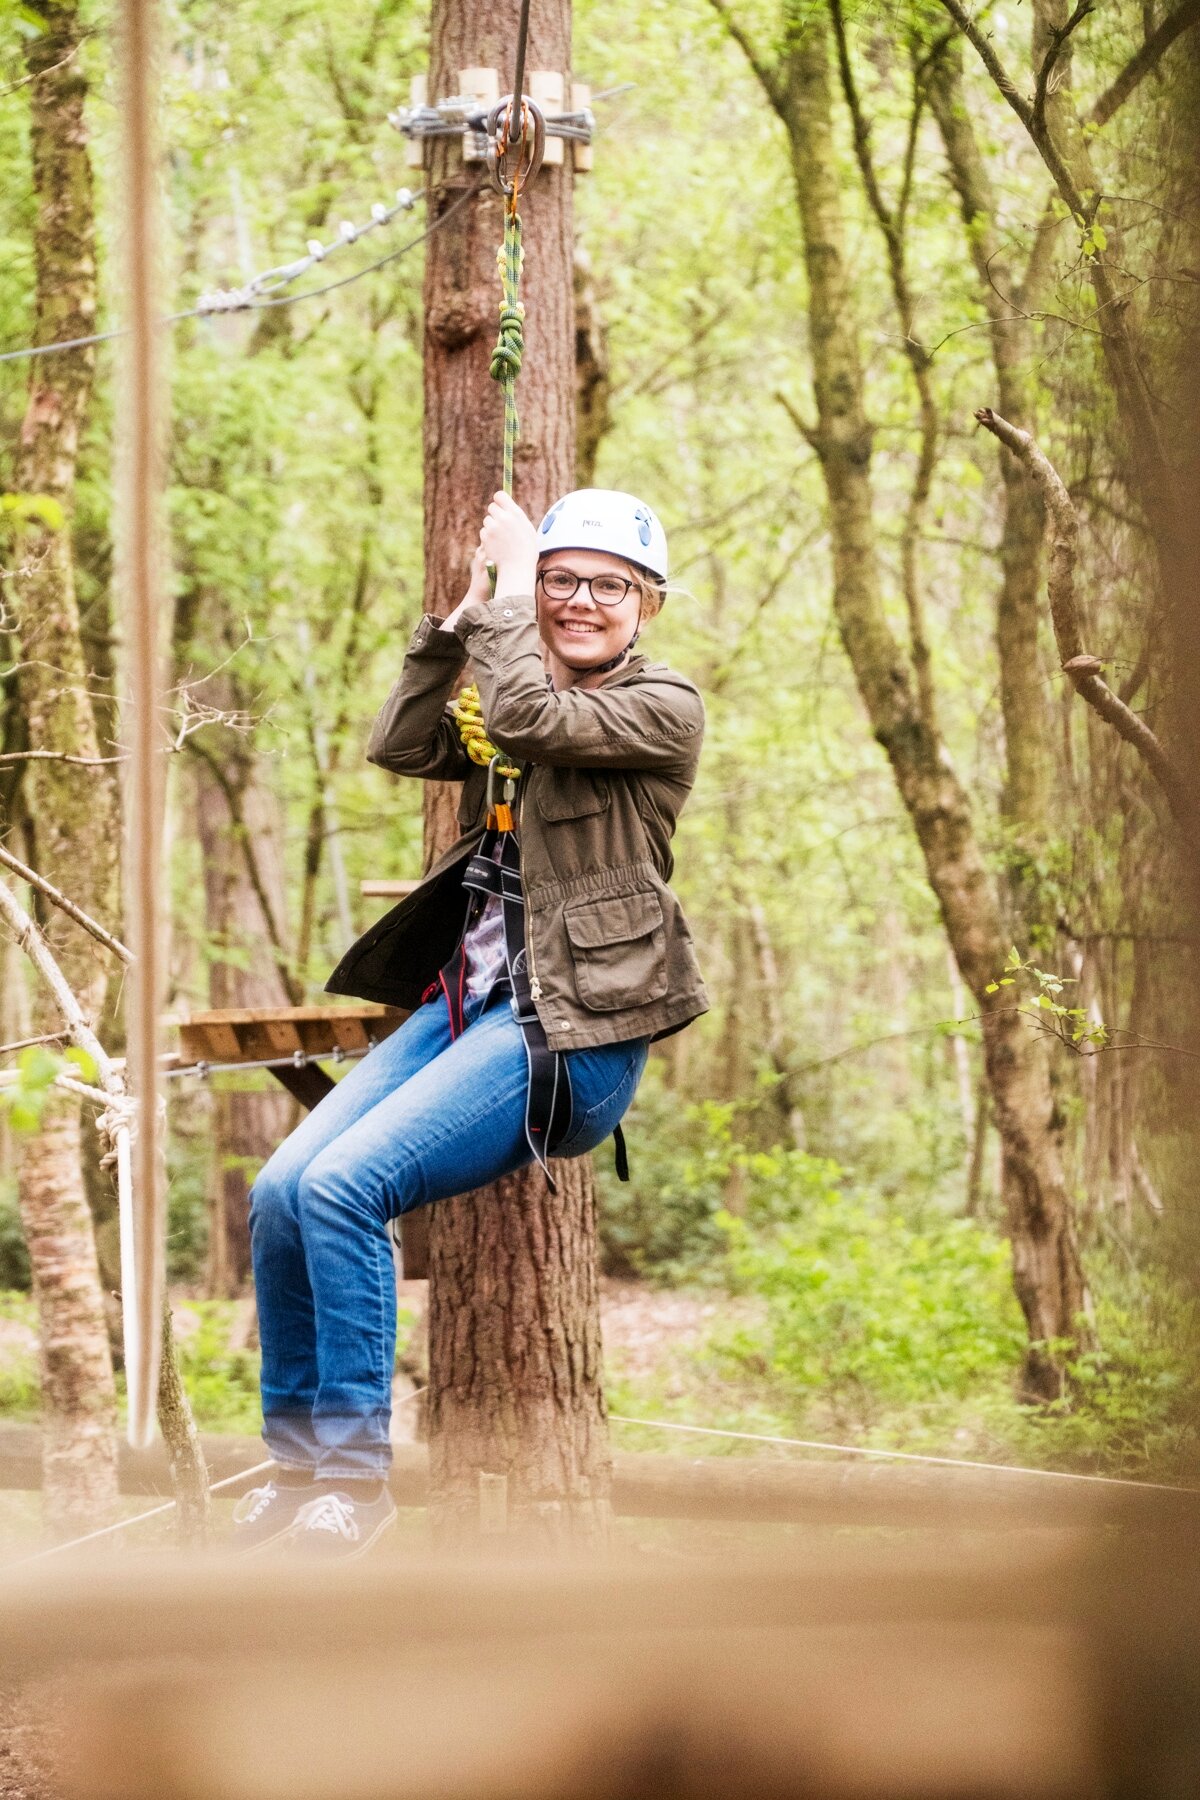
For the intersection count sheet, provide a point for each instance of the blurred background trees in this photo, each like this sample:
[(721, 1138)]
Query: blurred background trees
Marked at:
[(815, 241)]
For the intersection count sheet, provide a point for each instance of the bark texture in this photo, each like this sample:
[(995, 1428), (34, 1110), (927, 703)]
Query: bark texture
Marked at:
[(518, 1434), (73, 812), (1046, 1268)]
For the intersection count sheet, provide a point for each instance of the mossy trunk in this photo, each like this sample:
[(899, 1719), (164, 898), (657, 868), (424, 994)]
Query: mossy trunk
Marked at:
[(73, 811), (518, 1435), (1047, 1273)]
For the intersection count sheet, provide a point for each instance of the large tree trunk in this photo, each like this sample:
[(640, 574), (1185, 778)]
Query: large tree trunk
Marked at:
[(1046, 1268), (73, 812), (514, 1356)]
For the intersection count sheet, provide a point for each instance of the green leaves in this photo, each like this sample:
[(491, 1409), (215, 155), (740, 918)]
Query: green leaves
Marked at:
[(38, 1068), (27, 507), (1071, 1024)]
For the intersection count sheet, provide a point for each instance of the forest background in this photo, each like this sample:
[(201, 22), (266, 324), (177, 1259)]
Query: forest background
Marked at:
[(819, 1157)]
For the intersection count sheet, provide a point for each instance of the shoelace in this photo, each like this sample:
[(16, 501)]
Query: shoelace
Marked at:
[(252, 1505), (331, 1512)]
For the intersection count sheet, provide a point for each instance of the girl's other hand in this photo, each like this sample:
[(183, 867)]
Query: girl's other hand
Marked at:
[(479, 587), (509, 540)]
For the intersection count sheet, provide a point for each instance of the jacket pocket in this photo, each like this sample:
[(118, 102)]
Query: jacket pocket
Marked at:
[(618, 947), (571, 794)]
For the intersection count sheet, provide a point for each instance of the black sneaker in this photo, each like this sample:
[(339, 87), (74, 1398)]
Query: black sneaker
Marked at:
[(338, 1523), (265, 1515)]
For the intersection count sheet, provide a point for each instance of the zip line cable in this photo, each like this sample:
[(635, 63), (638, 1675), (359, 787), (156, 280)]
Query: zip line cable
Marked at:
[(912, 1456), (206, 309)]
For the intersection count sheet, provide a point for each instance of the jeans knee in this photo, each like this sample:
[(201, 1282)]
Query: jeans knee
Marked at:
[(330, 1191), (272, 1204)]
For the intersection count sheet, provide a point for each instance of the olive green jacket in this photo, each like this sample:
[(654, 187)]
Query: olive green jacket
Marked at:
[(606, 772)]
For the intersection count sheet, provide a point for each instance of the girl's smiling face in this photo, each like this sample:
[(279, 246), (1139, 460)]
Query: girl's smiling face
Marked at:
[(577, 630)]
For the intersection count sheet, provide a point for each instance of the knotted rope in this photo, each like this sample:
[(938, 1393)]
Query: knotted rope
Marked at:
[(510, 345), (468, 713)]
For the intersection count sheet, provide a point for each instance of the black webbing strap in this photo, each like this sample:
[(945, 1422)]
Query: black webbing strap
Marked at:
[(548, 1102)]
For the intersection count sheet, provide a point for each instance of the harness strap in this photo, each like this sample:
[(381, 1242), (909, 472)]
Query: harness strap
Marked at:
[(548, 1103), (549, 1100)]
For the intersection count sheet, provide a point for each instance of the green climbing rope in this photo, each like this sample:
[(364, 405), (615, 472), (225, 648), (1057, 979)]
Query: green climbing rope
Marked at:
[(506, 357)]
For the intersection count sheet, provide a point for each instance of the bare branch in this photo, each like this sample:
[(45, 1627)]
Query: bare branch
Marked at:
[(1084, 670), (79, 762), (991, 61), (59, 899), (1059, 36), (768, 76), (1145, 60), (30, 940)]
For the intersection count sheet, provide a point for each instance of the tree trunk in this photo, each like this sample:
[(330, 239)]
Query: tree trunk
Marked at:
[(517, 1426), (74, 812), (1046, 1268), (1027, 726), (246, 1126)]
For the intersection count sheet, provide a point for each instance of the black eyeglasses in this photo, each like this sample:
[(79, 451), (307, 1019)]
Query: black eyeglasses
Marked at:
[(606, 590)]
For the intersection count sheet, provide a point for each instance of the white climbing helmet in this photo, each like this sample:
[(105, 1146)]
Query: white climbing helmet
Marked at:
[(605, 519)]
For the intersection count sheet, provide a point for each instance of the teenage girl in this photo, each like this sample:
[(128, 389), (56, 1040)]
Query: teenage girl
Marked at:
[(539, 962)]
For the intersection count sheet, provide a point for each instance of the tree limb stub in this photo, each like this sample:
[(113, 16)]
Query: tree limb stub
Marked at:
[(1082, 668)]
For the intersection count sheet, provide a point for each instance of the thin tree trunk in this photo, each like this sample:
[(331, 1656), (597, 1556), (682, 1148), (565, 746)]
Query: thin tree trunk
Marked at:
[(1027, 725), (518, 1433), (74, 812), (246, 1126), (1047, 1273)]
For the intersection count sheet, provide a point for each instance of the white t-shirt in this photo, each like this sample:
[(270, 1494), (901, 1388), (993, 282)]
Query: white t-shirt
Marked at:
[(483, 946)]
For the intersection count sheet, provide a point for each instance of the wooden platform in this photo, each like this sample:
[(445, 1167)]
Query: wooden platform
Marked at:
[(262, 1034), (241, 1034)]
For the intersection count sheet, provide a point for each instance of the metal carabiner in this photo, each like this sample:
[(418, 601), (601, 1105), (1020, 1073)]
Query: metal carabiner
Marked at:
[(499, 812), (532, 146)]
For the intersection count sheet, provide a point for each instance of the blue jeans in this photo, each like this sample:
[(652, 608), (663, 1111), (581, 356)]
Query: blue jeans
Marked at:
[(418, 1119)]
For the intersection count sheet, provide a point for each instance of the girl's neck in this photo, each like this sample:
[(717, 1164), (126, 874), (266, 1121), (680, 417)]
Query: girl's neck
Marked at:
[(563, 677)]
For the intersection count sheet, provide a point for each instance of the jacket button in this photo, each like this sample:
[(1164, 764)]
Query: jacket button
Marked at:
[(508, 612), (562, 1024)]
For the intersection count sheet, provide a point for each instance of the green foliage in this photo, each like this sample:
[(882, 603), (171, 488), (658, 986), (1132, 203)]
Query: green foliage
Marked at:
[(1070, 1024), (14, 1253), (222, 1382), (43, 507), (663, 1221), (863, 1308), (19, 1382), (38, 1069)]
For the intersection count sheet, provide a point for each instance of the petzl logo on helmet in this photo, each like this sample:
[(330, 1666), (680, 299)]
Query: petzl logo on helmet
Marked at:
[(644, 517), (593, 524), (550, 517)]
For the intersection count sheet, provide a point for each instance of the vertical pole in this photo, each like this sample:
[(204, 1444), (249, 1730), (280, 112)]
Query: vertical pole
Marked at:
[(142, 1286)]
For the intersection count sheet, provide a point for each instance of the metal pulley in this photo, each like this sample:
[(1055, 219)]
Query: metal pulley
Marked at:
[(530, 145)]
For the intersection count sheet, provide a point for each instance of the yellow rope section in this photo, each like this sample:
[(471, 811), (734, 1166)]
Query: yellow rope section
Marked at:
[(468, 712)]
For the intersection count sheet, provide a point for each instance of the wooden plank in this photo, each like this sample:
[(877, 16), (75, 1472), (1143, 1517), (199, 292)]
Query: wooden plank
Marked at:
[(581, 99), (546, 90), (253, 1034), (947, 1671)]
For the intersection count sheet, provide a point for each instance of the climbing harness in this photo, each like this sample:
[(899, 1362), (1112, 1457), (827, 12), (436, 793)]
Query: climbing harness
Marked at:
[(494, 872)]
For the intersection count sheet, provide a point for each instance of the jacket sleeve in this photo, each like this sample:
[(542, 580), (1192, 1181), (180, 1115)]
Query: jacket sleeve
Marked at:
[(655, 723), (415, 733)]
